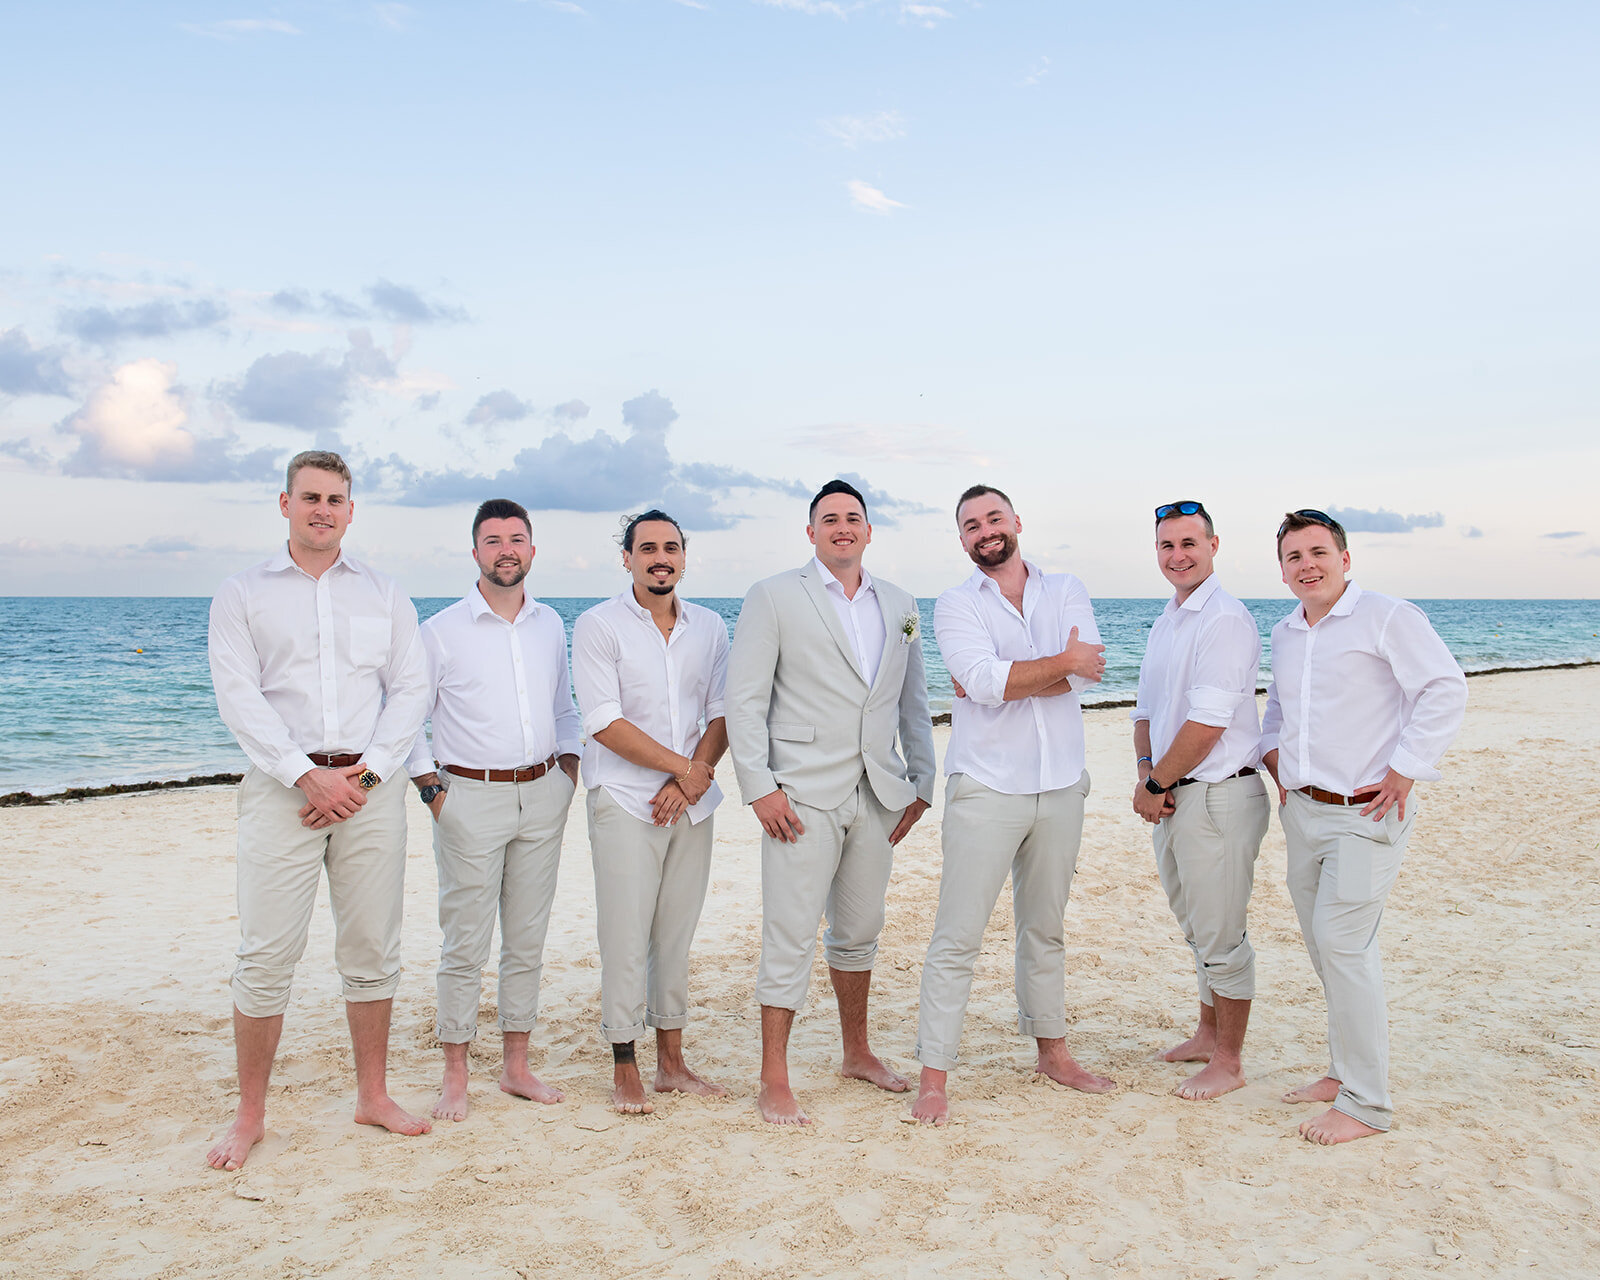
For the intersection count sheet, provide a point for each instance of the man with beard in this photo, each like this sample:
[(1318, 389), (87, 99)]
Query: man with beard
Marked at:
[(826, 669), (649, 671), (320, 676), (503, 719), (1019, 645), (1198, 740)]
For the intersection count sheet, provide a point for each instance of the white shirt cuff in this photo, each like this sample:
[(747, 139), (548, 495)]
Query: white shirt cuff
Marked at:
[(1214, 707), (598, 718), (1413, 767)]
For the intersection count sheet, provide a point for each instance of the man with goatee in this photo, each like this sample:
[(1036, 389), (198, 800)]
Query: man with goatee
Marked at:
[(1019, 645), (506, 741), (649, 671)]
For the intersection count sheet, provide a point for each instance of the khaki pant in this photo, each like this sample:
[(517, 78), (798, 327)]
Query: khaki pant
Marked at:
[(498, 847), (649, 886), (280, 864), (1341, 868), (986, 835), (838, 870), (1206, 856)]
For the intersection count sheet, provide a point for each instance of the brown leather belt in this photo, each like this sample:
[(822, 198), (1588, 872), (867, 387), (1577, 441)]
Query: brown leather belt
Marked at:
[(1333, 797), (324, 761), (1243, 773), (528, 772)]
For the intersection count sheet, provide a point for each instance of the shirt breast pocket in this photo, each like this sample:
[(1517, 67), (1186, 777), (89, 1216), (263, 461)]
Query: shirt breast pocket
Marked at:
[(369, 642)]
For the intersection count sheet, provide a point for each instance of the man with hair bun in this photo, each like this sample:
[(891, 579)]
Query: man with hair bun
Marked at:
[(1365, 699), (321, 677), (506, 740), (826, 671), (649, 670)]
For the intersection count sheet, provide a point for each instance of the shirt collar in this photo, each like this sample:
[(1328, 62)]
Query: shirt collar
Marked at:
[(479, 607), (631, 603), (980, 579), (1198, 597), (1342, 607), (282, 562), (830, 582)]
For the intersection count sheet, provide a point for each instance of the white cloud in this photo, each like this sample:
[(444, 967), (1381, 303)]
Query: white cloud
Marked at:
[(692, 4), (234, 28), (138, 420), (923, 15), (564, 6), (829, 7), (880, 126), (1037, 72), (869, 198)]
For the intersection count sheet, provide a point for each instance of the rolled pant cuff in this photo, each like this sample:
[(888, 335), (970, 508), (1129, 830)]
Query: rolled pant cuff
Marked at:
[(1042, 1028), (1238, 990), (666, 1021), (622, 1035), (367, 991), (934, 1059), (517, 1026), (253, 1004), (852, 962), (454, 1035), (1371, 1116)]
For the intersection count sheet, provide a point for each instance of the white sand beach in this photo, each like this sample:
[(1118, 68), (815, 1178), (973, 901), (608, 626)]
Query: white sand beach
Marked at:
[(117, 1069)]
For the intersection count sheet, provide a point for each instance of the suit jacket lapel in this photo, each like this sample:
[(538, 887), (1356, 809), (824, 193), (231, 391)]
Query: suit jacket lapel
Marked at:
[(830, 617), (891, 606)]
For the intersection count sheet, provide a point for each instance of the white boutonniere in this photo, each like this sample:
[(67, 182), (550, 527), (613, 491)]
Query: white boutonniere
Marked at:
[(910, 628)]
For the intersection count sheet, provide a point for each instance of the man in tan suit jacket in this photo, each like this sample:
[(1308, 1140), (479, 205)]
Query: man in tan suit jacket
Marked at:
[(826, 671)]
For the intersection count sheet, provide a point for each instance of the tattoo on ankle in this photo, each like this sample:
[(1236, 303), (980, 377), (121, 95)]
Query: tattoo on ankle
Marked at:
[(623, 1053)]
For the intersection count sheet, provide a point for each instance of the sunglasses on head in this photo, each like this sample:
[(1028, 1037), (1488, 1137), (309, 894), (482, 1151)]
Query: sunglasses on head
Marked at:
[(1312, 514), (1169, 509)]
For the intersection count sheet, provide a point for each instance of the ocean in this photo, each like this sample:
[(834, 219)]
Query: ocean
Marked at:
[(100, 691)]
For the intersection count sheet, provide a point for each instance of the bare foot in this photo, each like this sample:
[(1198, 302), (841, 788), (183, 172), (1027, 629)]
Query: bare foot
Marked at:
[(628, 1095), (1333, 1127), (1197, 1048), (1323, 1090), (384, 1112), (871, 1068), (519, 1082), (682, 1080), (1060, 1066), (933, 1103), (452, 1104), (777, 1105), (233, 1149), (1211, 1082)]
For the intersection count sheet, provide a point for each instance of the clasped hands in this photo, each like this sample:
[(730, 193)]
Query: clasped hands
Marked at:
[(331, 795), (677, 794)]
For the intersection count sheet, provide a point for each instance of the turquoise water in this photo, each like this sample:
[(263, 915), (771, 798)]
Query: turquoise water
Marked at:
[(100, 691)]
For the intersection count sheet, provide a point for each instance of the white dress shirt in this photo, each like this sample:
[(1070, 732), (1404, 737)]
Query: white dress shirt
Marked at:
[(1032, 744), (1200, 664), (669, 688), (1368, 689), (501, 699), (330, 664), (861, 617)]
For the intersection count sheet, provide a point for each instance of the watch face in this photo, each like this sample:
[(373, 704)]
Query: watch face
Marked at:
[(367, 780)]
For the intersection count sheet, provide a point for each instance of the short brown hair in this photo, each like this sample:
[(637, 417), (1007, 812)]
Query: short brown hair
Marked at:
[(977, 491), (320, 460), (501, 509), (1306, 519)]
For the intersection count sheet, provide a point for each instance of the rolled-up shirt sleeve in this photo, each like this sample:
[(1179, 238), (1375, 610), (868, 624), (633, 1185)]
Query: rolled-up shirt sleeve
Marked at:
[(717, 685), (1271, 719), (595, 674), (1225, 664), (1435, 690), (1078, 611), (236, 678), (968, 649)]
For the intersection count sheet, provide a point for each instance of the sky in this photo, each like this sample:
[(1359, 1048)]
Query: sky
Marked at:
[(598, 255)]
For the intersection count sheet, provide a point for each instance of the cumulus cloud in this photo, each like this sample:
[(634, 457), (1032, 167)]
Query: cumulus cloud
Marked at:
[(27, 370), (867, 197), (570, 411), (1356, 520), (299, 302), (498, 406), (880, 126), (137, 425), (1564, 533), (608, 472), (106, 325), (295, 389), (403, 303), (884, 508)]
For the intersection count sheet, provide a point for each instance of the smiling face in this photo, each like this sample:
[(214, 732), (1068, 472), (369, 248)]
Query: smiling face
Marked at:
[(1313, 568), (657, 559), (318, 509), (840, 533), (1184, 552), (989, 529), (504, 551)]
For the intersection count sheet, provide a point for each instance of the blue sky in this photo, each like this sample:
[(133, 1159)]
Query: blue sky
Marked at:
[(601, 254)]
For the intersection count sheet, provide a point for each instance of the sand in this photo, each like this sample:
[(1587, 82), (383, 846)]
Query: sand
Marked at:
[(117, 1069)]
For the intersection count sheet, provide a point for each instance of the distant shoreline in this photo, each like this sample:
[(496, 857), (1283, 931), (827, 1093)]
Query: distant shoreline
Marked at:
[(20, 799)]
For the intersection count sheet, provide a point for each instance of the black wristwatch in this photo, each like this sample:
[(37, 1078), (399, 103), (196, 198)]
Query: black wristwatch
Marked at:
[(430, 792), (1154, 787)]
